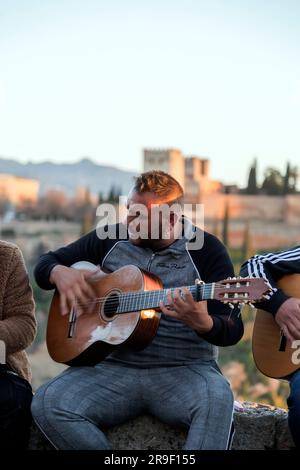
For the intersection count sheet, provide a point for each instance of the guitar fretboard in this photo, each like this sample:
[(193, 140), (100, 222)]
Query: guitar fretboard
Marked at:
[(135, 301)]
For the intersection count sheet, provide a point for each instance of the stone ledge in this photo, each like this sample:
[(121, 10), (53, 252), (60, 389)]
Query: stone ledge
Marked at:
[(257, 427)]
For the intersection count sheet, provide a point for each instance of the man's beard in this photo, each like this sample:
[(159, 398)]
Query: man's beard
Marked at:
[(153, 243), (144, 242)]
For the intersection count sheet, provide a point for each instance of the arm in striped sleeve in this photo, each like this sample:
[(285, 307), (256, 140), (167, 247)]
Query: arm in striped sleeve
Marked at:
[(272, 267)]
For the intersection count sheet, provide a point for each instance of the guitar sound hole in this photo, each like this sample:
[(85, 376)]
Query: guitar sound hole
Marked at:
[(111, 305)]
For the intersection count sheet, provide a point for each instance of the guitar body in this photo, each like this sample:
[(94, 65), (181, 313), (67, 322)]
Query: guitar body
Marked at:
[(124, 312), (98, 331), (268, 357)]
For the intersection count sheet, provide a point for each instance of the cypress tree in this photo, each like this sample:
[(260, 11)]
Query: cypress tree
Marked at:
[(247, 247), (286, 182), (252, 179), (226, 224)]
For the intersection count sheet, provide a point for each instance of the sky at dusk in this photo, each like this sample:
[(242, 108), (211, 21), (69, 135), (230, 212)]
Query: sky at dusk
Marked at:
[(104, 79)]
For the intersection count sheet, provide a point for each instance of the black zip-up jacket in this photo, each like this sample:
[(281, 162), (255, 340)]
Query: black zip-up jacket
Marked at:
[(272, 267), (211, 261)]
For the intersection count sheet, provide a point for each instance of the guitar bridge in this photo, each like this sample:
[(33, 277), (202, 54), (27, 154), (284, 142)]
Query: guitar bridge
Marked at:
[(72, 322)]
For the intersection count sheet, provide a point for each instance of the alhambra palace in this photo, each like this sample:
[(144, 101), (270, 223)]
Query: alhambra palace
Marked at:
[(272, 221)]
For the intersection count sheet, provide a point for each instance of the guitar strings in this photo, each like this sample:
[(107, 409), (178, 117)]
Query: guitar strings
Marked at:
[(133, 297)]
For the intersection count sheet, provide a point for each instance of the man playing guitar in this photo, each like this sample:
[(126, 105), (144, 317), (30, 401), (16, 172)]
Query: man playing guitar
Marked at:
[(176, 377), (285, 309)]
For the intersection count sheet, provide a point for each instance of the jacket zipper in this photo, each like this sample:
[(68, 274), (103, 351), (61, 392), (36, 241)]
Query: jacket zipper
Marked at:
[(150, 261)]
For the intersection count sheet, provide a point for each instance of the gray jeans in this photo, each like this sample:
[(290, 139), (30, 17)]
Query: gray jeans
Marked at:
[(72, 408)]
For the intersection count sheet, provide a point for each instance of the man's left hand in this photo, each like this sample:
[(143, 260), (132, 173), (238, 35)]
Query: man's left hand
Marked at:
[(182, 306)]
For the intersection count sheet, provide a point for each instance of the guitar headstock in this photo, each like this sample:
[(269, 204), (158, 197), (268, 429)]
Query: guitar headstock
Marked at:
[(241, 290)]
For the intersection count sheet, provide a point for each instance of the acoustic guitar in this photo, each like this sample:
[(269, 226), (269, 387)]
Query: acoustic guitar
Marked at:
[(125, 312), (274, 356)]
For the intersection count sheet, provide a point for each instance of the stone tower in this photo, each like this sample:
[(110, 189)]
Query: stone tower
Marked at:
[(169, 160)]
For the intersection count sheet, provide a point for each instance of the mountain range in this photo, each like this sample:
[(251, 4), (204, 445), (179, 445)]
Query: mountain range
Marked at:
[(70, 176)]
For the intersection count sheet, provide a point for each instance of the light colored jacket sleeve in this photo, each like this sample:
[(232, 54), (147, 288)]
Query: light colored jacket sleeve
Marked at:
[(18, 323)]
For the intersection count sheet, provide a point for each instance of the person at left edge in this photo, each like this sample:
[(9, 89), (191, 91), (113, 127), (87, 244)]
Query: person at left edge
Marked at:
[(17, 331)]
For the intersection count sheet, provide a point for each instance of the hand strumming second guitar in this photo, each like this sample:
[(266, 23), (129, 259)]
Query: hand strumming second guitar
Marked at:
[(288, 318), (72, 286)]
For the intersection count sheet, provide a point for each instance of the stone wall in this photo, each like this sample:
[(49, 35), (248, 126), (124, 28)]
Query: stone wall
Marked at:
[(245, 207), (257, 427)]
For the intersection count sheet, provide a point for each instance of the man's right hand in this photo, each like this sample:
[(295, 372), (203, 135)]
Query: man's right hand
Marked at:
[(72, 286), (288, 318)]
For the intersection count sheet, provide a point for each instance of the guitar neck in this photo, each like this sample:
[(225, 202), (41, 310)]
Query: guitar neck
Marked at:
[(135, 301)]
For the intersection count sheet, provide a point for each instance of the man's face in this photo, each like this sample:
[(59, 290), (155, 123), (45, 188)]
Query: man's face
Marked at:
[(147, 225)]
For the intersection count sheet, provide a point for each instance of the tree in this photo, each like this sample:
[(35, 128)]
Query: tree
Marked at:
[(114, 194), (294, 175), (216, 228), (273, 182), (100, 198), (286, 181), (247, 247), (252, 179), (53, 204), (88, 216), (226, 224), (87, 221)]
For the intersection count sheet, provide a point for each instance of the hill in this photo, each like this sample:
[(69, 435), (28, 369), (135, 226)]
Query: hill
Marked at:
[(69, 176)]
